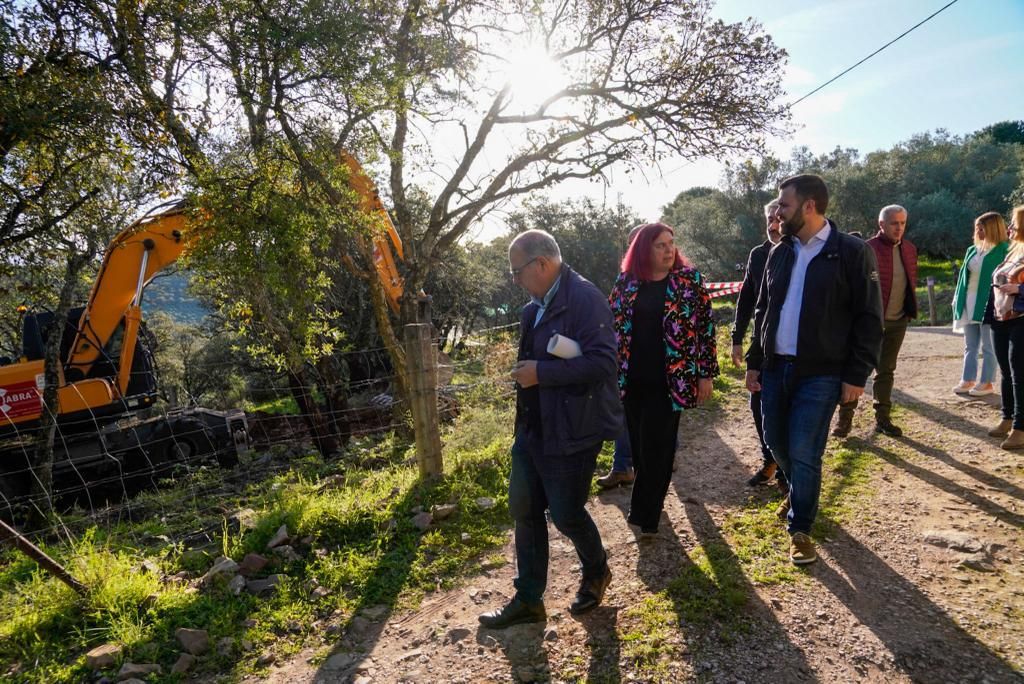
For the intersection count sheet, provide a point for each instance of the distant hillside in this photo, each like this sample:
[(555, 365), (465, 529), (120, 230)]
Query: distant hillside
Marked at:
[(169, 294)]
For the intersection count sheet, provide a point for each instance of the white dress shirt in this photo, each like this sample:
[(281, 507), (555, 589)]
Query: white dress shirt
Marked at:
[(789, 319)]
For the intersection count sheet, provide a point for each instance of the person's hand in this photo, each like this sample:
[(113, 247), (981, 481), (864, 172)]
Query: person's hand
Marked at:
[(737, 354), (525, 373), (850, 393), (753, 381), (704, 388), (1009, 288)]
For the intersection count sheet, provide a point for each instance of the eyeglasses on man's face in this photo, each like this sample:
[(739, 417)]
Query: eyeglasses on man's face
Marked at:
[(515, 272)]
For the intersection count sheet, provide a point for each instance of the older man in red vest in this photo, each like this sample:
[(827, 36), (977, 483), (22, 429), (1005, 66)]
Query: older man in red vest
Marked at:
[(897, 276)]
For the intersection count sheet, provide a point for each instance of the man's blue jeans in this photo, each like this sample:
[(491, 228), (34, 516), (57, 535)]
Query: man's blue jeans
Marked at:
[(561, 485), (797, 412)]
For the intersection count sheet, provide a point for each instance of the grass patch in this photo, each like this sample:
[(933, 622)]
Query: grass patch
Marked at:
[(847, 483), (710, 589), (355, 538), (943, 270), (760, 541), (648, 643)]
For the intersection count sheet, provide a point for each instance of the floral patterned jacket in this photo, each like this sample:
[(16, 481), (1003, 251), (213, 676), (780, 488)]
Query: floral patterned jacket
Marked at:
[(690, 349)]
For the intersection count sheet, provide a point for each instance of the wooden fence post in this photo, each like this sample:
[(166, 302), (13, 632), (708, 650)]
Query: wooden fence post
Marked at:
[(931, 300), (8, 533), (421, 360)]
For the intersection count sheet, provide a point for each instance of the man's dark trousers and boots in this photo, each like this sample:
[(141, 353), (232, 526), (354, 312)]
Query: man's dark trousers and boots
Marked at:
[(562, 486), (892, 340)]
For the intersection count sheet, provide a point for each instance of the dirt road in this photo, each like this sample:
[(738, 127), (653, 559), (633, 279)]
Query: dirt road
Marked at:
[(712, 599)]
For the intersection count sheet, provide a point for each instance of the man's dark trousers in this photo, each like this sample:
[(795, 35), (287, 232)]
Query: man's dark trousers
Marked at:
[(755, 411), (893, 334), (559, 484)]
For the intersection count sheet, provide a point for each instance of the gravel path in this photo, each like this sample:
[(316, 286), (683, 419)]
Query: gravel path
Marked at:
[(920, 581)]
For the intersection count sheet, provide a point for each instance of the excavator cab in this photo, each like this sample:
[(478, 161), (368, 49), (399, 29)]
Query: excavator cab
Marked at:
[(141, 389), (35, 329)]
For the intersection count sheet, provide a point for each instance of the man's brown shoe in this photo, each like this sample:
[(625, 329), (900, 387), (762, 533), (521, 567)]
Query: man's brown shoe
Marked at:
[(591, 593), (516, 612), (783, 510), (801, 549), (782, 484), (1001, 430), (615, 478), (1015, 440)]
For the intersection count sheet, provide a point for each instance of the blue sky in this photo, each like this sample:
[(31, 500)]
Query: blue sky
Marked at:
[(961, 71)]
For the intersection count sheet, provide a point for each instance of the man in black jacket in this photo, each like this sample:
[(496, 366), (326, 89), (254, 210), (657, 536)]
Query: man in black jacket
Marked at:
[(817, 335), (744, 312), (566, 406)]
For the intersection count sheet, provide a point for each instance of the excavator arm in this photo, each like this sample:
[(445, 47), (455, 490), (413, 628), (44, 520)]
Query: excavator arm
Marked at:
[(132, 260), (92, 381), (385, 238)]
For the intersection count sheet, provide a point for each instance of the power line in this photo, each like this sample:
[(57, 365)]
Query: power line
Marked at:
[(846, 71)]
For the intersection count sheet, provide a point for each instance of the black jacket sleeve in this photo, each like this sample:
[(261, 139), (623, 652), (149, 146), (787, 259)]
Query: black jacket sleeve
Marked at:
[(748, 295), (865, 342), (755, 354)]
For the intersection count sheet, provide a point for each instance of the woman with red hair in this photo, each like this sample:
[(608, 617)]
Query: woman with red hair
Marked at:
[(667, 359)]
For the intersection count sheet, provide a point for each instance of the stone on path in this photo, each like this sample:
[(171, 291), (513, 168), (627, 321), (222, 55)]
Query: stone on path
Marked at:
[(103, 656), (280, 537), (130, 670), (951, 539), (251, 564), (185, 662), (222, 566), (194, 641), (422, 521)]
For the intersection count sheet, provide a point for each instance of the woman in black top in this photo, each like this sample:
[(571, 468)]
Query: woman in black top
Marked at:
[(667, 359)]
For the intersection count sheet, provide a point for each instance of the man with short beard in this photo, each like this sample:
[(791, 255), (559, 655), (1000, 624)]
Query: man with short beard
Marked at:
[(817, 333)]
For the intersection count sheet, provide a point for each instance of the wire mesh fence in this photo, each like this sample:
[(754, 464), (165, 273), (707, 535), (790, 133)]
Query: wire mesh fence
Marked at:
[(187, 465)]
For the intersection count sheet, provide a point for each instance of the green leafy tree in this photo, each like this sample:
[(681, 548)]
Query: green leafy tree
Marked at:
[(394, 83), (1006, 132)]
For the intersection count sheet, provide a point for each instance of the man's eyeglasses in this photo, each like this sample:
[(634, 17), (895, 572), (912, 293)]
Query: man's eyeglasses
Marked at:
[(514, 272)]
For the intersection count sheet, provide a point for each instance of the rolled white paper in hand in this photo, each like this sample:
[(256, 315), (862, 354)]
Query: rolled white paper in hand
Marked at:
[(563, 347)]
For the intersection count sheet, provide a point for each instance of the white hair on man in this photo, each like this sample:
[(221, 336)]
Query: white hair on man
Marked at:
[(890, 209), (537, 243), (770, 207)]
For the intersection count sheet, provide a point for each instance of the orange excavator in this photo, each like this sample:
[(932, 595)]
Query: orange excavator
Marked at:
[(107, 375), (107, 381)]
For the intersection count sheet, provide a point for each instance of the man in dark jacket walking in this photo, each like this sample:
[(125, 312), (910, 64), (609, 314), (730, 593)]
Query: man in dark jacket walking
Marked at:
[(744, 312), (566, 406), (897, 275), (817, 331)]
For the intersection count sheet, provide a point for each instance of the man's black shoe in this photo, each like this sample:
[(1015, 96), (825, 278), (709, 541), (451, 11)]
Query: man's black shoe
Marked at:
[(762, 476), (590, 593), (516, 612), (844, 424), (886, 427)]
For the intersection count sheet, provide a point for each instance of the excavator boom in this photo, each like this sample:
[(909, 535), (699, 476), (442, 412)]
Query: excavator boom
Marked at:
[(97, 357)]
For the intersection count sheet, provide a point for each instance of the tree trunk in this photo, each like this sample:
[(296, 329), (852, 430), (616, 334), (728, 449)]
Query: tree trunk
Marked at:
[(42, 456), (319, 427), (334, 383), (394, 346)]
